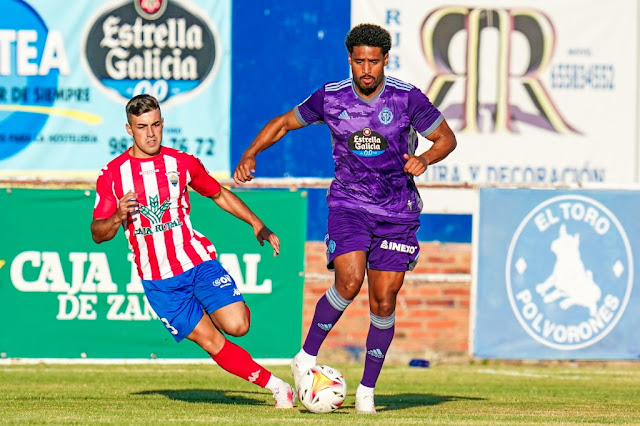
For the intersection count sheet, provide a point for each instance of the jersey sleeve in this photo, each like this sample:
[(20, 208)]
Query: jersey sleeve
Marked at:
[(106, 201), (425, 118), (201, 180), (311, 110)]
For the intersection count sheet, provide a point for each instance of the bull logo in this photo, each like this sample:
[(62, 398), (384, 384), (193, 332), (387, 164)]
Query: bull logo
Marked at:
[(569, 272), (570, 282)]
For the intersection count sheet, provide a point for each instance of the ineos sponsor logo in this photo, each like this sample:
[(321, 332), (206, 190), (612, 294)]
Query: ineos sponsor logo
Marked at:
[(402, 248)]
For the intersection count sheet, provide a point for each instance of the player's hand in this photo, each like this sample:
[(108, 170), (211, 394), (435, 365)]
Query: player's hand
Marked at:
[(128, 205), (265, 234), (415, 164), (244, 170)]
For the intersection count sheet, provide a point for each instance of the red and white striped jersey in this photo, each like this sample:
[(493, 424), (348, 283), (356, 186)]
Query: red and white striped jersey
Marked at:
[(160, 234)]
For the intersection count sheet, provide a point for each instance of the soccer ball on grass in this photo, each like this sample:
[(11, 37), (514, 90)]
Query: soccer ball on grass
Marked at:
[(322, 389)]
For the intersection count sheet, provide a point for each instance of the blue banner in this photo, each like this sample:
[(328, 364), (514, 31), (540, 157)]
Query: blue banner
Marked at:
[(555, 274), (67, 70)]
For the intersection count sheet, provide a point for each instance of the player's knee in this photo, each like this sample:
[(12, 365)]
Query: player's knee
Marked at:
[(383, 308), (349, 288), (237, 328)]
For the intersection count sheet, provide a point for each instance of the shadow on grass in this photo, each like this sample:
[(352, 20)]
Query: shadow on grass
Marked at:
[(410, 400), (383, 402), (207, 396)]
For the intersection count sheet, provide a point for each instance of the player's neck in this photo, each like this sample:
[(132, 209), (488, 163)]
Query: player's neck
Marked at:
[(135, 152), (374, 93)]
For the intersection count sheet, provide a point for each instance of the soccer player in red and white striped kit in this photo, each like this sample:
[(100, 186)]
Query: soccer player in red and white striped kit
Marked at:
[(144, 190)]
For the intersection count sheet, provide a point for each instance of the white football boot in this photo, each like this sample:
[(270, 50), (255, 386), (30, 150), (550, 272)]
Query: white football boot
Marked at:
[(299, 365), (283, 394), (364, 400)]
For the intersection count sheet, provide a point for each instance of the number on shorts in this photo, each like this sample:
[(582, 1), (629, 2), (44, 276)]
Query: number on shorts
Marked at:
[(171, 328)]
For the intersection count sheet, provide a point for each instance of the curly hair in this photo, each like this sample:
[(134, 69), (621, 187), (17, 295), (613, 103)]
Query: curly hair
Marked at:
[(368, 35), (141, 104)]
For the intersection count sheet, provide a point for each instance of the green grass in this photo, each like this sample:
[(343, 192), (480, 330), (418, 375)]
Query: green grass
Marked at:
[(441, 394)]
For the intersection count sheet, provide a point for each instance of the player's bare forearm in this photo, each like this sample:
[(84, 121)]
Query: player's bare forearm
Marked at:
[(271, 133), (105, 229), (231, 203), (444, 142)]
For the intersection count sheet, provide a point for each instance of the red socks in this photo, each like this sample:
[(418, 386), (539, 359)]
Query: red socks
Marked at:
[(238, 362)]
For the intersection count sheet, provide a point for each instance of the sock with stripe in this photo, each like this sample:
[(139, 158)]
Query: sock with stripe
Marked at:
[(329, 309), (378, 341), (238, 362)]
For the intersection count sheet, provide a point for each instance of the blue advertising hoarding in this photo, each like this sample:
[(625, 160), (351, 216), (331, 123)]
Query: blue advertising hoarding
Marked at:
[(67, 70), (555, 274)]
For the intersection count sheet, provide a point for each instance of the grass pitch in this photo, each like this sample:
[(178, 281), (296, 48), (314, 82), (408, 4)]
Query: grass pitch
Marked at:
[(441, 394)]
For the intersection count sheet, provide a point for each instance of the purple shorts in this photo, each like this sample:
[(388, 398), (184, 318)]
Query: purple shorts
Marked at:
[(390, 243)]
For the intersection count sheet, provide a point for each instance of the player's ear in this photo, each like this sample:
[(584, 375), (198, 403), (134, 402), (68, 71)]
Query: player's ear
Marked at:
[(386, 59), (128, 128)]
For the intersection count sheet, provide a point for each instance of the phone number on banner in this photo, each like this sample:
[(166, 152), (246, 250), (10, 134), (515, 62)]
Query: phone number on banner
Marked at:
[(198, 146)]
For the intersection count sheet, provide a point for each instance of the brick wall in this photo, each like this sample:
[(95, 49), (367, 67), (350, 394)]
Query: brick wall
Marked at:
[(432, 313)]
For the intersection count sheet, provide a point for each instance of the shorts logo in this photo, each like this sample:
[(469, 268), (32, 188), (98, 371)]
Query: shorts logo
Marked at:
[(223, 281), (367, 143), (385, 116), (331, 246), (566, 291), (402, 248)]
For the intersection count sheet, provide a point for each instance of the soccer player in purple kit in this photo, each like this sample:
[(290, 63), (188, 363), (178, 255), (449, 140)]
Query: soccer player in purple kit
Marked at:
[(374, 205)]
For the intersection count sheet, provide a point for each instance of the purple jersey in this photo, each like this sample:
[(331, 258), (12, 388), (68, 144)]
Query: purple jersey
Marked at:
[(369, 138)]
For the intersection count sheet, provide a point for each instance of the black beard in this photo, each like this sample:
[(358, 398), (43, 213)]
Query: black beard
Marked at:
[(366, 91)]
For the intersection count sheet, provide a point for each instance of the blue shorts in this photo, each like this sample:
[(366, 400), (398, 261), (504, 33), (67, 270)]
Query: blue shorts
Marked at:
[(179, 301), (390, 244)]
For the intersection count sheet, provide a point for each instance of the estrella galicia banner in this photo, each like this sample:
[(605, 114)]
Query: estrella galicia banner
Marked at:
[(527, 86), (64, 296), (556, 276), (67, 70)]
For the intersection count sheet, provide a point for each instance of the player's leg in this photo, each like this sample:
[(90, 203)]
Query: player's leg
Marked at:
[(232, 319), (394, 250), (217, 292), (349, 273), (237, 361), (348, 238), (383, 290)]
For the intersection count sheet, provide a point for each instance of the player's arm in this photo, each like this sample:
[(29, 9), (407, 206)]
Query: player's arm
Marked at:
[(444, 141), (271, 133), (105, 229), (230, 202)]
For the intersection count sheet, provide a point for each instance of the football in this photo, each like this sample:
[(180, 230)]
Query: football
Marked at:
[(322, 389)]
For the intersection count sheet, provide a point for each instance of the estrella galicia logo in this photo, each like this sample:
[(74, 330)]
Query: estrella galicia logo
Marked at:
[(569, 272), (367, 143), (385, 116), (159, 47)]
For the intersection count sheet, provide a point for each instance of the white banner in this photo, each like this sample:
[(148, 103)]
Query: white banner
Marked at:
[(536, 92)]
